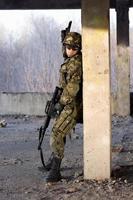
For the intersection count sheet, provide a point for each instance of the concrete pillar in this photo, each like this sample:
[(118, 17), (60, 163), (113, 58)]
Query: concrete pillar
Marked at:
[(122, 60), (113, 53), (96, 89)]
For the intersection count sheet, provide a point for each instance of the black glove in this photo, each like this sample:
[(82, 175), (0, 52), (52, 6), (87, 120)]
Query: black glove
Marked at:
[(58, 107), (57, 110)]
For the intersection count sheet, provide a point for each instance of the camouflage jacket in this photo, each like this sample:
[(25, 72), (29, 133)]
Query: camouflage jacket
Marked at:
[(71, 80)]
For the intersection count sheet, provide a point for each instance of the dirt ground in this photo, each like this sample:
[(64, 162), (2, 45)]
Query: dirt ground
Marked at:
[(22, 178)]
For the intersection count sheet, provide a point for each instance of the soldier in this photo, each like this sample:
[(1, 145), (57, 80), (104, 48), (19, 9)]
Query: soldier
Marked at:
[(68, 107)]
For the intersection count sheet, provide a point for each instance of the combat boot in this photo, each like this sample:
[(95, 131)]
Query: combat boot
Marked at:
[(49, 163), (54, 173)]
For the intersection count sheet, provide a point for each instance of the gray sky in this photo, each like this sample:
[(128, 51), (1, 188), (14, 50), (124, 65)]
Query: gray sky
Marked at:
[(16, 20)]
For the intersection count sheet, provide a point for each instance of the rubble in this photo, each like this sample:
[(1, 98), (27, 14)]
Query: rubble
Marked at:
[(3, 123), (21, 179)]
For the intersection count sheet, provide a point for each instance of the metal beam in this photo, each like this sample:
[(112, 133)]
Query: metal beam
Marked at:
[(50, 4), (40, 4), (113, 3)]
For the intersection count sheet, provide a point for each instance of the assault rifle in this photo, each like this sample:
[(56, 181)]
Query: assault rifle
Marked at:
[(50, 106), (63, 35), (49, 109)]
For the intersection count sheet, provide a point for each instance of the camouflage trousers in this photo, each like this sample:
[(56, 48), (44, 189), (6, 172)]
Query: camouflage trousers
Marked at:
[(63, 125)]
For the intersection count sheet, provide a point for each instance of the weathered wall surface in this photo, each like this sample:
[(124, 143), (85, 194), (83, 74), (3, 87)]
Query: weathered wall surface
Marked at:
[(23, 103), (27, 103)]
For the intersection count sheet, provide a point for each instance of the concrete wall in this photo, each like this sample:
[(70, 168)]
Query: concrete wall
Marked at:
[(23, 103), (30, 103)]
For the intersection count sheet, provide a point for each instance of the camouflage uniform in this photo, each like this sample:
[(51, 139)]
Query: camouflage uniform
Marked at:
[(70, 81), (68, 107)]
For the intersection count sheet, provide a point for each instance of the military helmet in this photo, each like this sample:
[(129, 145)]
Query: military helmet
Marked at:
[(73, 39)]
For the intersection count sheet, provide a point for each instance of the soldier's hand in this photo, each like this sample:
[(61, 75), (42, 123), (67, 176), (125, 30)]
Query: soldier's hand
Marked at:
[(56, 110), (59, 107)]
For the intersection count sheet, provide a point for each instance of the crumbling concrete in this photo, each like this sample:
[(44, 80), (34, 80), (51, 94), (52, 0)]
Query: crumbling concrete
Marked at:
[(23, 103)]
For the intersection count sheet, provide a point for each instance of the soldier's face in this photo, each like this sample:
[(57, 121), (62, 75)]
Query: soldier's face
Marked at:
[(71, 51)]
